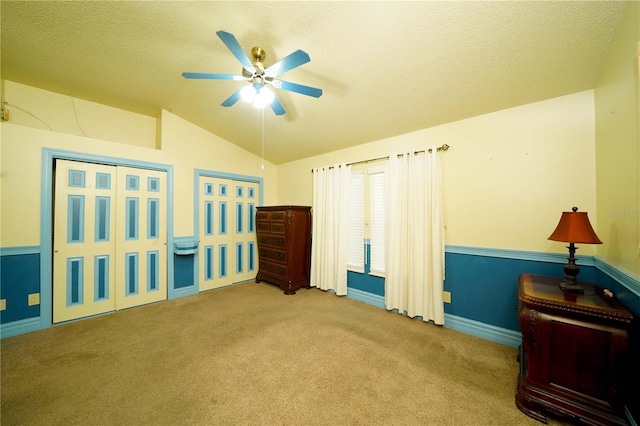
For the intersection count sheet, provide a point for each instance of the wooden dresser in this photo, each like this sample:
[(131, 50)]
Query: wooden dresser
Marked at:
[(574, 352), (284, 246)]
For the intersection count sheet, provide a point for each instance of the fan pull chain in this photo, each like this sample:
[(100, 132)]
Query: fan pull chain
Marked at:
[(260, 134), (257, 132), (262, 113)]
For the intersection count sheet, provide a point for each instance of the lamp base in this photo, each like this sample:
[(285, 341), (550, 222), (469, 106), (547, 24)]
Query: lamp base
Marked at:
[(571, 271), (572, 287)]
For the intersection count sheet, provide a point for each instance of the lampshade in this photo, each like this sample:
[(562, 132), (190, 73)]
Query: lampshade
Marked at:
[(574, 227)]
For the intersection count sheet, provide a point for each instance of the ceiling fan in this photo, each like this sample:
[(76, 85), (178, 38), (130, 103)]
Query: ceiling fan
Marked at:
[(260, 78)]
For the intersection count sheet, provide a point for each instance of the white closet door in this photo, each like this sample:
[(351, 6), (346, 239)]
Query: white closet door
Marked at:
[(227, 249), (141, 237), (84, 247), (110, 239), (245, 265)]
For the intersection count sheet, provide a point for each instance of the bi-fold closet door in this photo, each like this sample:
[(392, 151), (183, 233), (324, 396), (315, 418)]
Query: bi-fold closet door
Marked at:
[(110, 238), (227, 235)]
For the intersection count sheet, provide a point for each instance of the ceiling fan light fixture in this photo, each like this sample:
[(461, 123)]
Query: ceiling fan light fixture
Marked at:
[(248, 93), (258, 76), (263, 97)]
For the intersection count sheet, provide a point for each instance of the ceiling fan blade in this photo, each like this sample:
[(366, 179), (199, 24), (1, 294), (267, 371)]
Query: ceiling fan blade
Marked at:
[(295, 59), (297, 88), (208, 76), (235, 97), (277, 107), (232, 44)]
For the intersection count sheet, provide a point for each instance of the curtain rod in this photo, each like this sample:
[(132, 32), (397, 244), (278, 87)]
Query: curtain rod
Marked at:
[(444, 147)]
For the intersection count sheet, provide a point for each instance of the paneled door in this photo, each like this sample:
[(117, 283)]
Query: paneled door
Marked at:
[(110, 237), (141, 237), (227, 249), (245, 245), (84, 252)]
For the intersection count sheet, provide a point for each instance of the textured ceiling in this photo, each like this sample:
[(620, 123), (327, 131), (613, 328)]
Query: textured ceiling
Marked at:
[(386, 68)]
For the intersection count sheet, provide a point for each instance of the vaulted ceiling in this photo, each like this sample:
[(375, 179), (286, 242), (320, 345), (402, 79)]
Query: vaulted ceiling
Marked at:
[(385, 67)]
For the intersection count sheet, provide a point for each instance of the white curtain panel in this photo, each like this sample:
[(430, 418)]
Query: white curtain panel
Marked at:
[(330, 239), (414, 249)]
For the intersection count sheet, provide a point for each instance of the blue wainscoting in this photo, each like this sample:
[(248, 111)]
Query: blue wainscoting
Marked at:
[(19, 277), (184, 280), (624, 286), (183, 271), (363, 283), (484, 287)]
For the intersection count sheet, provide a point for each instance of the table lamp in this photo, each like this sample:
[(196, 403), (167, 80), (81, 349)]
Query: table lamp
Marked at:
[(574, 227)]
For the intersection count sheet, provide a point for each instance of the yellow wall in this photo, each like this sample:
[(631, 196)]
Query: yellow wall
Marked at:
[(190, 147), (618, 147), (184, 145), (41, 109), (507, 177)]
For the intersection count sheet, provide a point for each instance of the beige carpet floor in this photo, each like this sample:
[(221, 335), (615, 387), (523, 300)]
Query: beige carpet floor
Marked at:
[(249, 355)]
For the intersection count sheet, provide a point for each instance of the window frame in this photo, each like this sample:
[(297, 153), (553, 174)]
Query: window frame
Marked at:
[(366, 171)]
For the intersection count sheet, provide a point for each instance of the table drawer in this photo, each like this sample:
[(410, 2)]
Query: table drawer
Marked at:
[(277, 227), (278, 216), (274, 269), (275, 255), (262, 216), (274, 241)]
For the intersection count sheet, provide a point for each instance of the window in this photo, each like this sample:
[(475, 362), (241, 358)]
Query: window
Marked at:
[(366, 220)]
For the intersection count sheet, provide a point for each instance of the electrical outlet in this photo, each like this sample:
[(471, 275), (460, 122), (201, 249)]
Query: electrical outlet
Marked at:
[(3, 304), (33, 299), (446, 296)]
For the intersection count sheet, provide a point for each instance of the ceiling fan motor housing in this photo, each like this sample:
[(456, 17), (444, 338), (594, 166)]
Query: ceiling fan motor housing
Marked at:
[(258, 55)]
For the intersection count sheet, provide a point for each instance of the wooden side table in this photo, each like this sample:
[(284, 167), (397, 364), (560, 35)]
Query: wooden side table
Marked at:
[(573, 355)]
